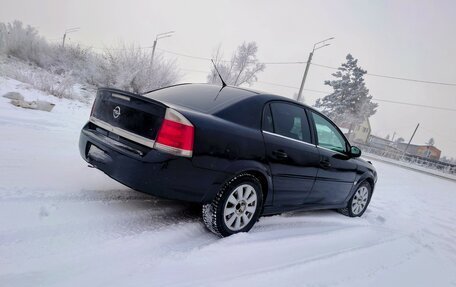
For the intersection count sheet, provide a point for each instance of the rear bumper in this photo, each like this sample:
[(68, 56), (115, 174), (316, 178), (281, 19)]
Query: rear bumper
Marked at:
[(150, 172)]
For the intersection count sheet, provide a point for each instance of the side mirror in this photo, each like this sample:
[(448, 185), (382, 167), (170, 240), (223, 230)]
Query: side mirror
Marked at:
[(355, 151)]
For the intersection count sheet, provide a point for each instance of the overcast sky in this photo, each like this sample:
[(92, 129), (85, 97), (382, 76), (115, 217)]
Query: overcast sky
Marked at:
[(410, 39)]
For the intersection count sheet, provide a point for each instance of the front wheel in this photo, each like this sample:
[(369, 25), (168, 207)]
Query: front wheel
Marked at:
[(236, 207), (358, 203)]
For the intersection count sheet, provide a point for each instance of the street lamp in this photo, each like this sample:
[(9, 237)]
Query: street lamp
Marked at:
[(159, 36), (67, 31), (316, 46)]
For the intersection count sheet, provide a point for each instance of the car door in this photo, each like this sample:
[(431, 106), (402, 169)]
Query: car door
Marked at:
[(290, 153), (337, 172)]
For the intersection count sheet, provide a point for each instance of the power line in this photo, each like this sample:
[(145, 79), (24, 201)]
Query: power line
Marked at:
[(322, 66), (263, 82), (278, 85), (327, 93), (417, 105), (283, 63), (196, 71), (208, 59), (184, 55), (443, 136), (413, 80), (392, 77), (375, 99), (115, 49), (294, 88)]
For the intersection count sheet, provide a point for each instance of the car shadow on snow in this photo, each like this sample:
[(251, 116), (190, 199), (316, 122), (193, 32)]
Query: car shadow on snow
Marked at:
[(162, 213), (131, 200)]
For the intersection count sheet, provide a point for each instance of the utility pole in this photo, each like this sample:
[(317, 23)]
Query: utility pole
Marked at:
[(305, 76), (67, 31), (316, 46), (157, 37), (406, 148), (63, 41), (153, 53)]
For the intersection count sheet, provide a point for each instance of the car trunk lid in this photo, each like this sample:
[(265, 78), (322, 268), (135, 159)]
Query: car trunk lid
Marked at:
[(128, 115)]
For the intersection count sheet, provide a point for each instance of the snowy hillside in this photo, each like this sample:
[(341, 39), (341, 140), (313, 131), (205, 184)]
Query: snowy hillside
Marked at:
[(64, 224)]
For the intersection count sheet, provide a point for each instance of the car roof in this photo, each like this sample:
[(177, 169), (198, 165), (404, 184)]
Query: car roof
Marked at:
[(208, 98)]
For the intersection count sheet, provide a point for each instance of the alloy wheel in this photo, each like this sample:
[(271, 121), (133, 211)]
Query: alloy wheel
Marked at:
[(240, 207), (360, 199)]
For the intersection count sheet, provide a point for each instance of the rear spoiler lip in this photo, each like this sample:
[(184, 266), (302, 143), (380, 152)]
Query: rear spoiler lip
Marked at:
[(141, 94), (133, 95), (157, 89)]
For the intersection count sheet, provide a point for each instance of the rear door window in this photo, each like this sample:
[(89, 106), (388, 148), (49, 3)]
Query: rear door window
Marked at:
[(267, 120), (290, 120)]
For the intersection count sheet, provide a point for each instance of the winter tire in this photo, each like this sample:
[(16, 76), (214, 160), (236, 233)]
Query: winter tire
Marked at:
[(358, 203), (236, 207)]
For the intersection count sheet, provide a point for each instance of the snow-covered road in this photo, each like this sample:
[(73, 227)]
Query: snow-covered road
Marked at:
[(63, 224)]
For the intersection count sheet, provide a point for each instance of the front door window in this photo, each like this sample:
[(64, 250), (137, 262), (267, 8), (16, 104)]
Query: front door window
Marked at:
[(328, 135)]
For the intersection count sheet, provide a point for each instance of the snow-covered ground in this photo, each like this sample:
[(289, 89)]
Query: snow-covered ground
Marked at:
[(64, 224)]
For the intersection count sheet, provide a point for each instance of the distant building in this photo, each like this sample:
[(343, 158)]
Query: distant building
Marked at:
[(426, 151), (362, 132), (359, 134), (378, 142), (422, 151)]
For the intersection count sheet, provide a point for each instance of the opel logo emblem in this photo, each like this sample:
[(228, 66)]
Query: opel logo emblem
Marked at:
[(116, 112)]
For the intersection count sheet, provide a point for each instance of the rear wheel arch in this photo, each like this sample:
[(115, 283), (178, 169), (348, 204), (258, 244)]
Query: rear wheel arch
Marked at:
[(263, 181), (261, 176), (255, 168)]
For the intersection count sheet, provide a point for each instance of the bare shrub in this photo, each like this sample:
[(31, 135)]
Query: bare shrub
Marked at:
[(58, 86), (129, 68), (125, 67), (24, 43)]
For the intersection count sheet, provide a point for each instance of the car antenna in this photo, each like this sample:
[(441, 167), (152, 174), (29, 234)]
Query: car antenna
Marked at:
[(218, 73)]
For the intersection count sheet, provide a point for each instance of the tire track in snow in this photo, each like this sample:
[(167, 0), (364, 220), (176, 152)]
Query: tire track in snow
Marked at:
[(83, 196), (281, 267), (119, 221), (125, 221)]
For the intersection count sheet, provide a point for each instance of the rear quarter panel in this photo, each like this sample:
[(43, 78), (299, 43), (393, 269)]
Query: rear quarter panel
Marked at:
[(230, 147)]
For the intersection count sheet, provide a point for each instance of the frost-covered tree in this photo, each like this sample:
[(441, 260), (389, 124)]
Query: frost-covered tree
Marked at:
[(129, 68), (350, 103), (430, 142), (448, 159), (387, 137), (400, 140), (56, 69), (24, 42), (3, 35), (241, 69)]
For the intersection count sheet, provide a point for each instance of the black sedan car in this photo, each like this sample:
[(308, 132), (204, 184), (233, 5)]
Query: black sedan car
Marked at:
[(239, 153)]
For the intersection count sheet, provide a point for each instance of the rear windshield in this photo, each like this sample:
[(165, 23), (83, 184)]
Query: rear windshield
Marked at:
[(200, 97)]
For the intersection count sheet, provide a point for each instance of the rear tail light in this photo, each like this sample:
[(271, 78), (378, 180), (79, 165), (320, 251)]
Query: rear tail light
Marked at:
[(175, 135)]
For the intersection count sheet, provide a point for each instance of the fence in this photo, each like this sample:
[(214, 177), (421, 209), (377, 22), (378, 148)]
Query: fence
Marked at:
[(409, 159)]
